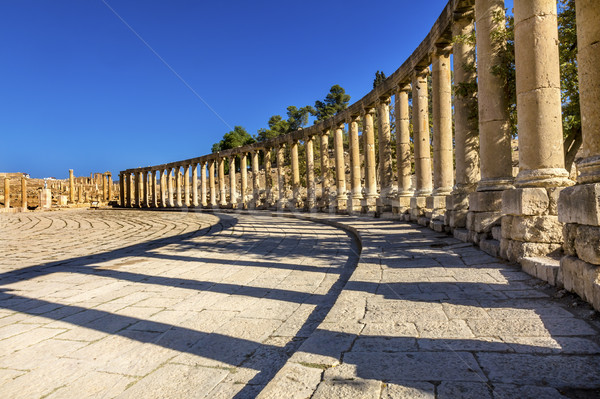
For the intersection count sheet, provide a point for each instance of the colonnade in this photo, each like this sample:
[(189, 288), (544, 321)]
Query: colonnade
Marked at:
[(466, 185)]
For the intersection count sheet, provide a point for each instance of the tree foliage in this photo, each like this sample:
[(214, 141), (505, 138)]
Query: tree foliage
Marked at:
[(379, 78), (297, 118), (337, 100), (235, 138)]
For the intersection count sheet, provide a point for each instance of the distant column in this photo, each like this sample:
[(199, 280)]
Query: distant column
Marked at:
[(386, 173), (122, 189), (24, 193), (370, 201), (222, 193), (6, 192), (138, 188), (195, 184), (170, 202), (128, 202), (268, 182), (178, 191), (355, 173), (211, 180), (325, 169), (244, 175), (282, 202), (311, 196), (340, 169), (104, 187), (255, 179), (297, 200), (232, 182), (154, 190), (110, 186), (186, 185), (71, 187), (163, 188), (146, 191), (203, 176)]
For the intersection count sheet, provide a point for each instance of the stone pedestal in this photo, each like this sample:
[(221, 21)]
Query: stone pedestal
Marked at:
[(46, 198), (457, 205), (436, 211), (401, 205), (369, 204), (418, 207), (354, 204), (485, 212)]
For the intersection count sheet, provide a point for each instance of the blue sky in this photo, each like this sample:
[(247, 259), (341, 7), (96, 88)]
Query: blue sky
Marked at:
[(79, 89)]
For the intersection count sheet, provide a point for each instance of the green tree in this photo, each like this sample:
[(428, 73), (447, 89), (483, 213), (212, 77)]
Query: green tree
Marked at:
[(379, 78), (297, 118), (336, 101), (235, 138)]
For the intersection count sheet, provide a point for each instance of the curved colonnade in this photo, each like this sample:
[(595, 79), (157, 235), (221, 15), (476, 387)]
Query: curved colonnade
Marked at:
[(536, 213)]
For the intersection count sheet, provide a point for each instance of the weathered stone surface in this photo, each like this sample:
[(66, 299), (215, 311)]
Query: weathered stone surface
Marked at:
[(436, 202), (543, 268), (545, 229), (482, 222), (458, 219), (580, 204), (516, 250), (581, 277), (525, 201), (583, 241), (485, 201)]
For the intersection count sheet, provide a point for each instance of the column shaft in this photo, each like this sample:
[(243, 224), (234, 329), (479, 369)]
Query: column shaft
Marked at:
[(203, 177), (170, 188), (128, 189), (104, 187), (403, 155), (211, 181), (355, 174), (186, 185), (268, 181), (145, 191), (340, 166), (6, 192), (195, 184), (71, 187), (122, 189), (325, 168), (442, 124), (244, 175), (232, 182), (295, 172), (311, 195), (154, 190), (255, 178), (24, 193), (385, 149), (421, 134), (163, 188), (281, 175), (222, 193), (110, 187)]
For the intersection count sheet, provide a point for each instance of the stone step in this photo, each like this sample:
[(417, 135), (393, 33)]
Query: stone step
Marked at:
[(544, 268)]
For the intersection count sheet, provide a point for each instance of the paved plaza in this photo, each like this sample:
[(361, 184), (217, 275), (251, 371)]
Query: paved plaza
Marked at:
[(159, 304)]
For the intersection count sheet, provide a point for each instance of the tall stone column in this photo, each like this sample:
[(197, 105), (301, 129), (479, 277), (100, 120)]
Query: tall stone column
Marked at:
[(579, 206), (122, 189), (341, 199), (163, 188), (211, 181), (154, 190), (222, 193), (128, 202), (354, 204), (269, 200), (311, 193), (170, 190), (255, 179), (325, 190), (195, 202), (297, 196), (203, 200), (244, 176), (541, 158), (186, 186), (137, 188), (465, 122), (24, 193), (418, 203), (104, 187), (71, 187), (386, 174), (145, 186), (369, 202), (232, 182), (443, 168), (6, 192), (178, 191), (281, 183), (110, 186), (403, 154)]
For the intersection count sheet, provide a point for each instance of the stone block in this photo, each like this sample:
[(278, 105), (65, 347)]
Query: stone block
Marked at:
[(497, 233), (429, 214), (63, 200), (457, 201), (533, 229), (525, 201), (436, 202), (583, 241), (504, 248), (543, 268), (401, 202), (492, 247), (517, 250), (418, 202), (553, 195), (45, 198), (436, 225), (458, 218), (485, 201), (461, 234), (423, 221), (482, 222), (580, 204), (582, 278)]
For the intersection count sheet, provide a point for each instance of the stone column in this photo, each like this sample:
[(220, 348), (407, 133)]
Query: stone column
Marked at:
[(232, 182), (211, 182), (369, 203), (163, 191), (403, 154), (465, 123), (354, 204), (311, 194), (325, 191), (533, 230), (420, 107), (104, 187), (122, 189), (268, 182), (195, 202), (170, 190), (110, 186), (137, 188), (178, 191), (386, 174), (297, 200), (222, 193), (579, 206), (154, 189), (146, 191), (6, 192), (80, 194), (128, 202), (281, 183), (203, 201), (443, 168), (71, 187), (24, 193), (255, 180), (244, 176), (186, 186), (341, 199)]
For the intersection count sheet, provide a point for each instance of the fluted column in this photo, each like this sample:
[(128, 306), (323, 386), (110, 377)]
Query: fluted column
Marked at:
[(421, 133), (311, 194), (268, 182), (340, 169), (222, 193), (195, 184), (154, 190), (385, 152), (255, 179), (211, 182), (146, 191), (354, 204), (232, 182), (325, 190), (244, 175), (442, 123), (495, 149), (282, 202), (579, 206), (403, 154), (203, 177), (297, 200), (71, 187), (122, 189), (170, 201)]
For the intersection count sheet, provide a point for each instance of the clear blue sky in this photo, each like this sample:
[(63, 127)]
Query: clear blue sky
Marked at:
[(80, 90)]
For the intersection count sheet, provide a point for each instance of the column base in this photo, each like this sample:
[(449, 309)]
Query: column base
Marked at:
[(355, 205), (485, 212), (495, 184), (401, 205), (369, 205), (418, 207)]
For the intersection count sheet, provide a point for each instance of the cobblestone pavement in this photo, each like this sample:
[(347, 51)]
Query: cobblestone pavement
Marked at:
[(175, 304)]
